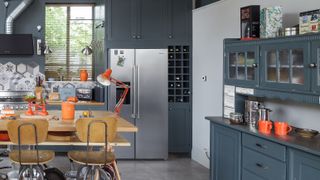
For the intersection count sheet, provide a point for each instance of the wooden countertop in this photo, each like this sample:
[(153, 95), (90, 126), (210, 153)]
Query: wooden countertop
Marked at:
[(80, 103), (69, 126)]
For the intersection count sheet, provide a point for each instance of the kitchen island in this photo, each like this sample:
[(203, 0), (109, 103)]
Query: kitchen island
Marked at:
[(60, 128), (241, 152)]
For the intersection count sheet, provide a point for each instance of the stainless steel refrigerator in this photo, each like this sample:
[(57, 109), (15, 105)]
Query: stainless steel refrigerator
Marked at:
[(145, 71)]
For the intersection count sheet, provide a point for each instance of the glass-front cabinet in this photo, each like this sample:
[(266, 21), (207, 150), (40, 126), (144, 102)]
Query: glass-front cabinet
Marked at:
[(315, 66), (241, 65), (285, 66)]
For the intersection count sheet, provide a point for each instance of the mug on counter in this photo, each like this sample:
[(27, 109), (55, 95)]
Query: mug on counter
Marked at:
[(282, 128), (265, 126)]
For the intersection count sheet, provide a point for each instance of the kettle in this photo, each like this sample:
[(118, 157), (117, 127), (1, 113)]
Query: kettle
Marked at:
[(264, 113), (68, 108)]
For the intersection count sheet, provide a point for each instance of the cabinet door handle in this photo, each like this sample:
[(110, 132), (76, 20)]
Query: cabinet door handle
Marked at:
[(170, 37), (255, 65), (261, 146), (261, 166), (134, 37), (313, 65), (138, 37)]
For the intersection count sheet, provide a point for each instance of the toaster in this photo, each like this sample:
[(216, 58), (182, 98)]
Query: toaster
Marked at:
[(84, 94)]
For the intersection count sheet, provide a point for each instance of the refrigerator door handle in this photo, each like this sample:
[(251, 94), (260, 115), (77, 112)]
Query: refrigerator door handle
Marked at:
[(138, 92), (133, 91)]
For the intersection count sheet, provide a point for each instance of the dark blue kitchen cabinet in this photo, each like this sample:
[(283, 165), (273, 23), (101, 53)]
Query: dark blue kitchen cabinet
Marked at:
[(314, 66), (285, 66), (180, 128), (225, 153), (179, 21), (121, 20), (148, 22), (303, 166), (242, 65)]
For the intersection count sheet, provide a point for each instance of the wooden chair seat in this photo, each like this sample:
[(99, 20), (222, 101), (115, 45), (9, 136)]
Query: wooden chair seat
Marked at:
[(94, 157), (29, 157)]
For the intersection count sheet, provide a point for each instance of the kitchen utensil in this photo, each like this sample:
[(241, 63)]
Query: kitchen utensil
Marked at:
[(251, 112), (282, 128), (306, 133), (264, 113), (236, 118), (265, 126)]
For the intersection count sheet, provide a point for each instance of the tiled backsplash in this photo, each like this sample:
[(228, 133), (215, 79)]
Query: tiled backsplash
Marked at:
[(54, 86), (22, 77), (19, 77)]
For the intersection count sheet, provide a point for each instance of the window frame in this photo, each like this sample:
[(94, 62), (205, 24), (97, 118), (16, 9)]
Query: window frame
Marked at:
[(68, 6)]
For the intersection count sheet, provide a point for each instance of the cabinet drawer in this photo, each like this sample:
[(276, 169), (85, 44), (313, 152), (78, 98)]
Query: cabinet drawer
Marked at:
[(264, 146), (263, 166), (247, 175)]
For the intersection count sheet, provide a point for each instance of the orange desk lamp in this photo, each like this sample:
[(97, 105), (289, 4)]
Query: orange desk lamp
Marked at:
[(105, 79)]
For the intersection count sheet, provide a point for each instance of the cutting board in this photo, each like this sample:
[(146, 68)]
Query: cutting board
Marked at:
[(23, 116)]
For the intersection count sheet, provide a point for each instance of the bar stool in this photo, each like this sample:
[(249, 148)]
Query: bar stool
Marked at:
[(91, 130), (30, 133)]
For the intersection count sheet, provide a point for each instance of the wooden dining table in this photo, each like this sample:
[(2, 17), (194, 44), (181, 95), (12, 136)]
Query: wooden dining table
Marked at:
[(63, 132)]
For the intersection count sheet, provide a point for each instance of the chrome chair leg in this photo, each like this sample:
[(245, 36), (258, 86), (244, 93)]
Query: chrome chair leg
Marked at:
[(39, 170), (86, 173), (106, 175), (21, 171)]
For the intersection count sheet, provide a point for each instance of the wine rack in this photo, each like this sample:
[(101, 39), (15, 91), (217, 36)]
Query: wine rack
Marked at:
[(179, 74)]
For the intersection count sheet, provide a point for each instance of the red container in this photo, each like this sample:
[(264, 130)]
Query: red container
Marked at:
[(4, 136), (265, 126)]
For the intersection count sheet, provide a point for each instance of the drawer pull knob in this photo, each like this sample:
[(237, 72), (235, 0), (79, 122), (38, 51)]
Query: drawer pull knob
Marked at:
[(261, 166), (261, 146)]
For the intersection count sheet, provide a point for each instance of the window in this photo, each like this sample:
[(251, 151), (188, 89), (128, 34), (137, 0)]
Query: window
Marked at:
[(68, 30)]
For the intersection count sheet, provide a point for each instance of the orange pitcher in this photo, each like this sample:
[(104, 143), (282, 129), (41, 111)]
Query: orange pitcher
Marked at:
[(83, 75), (68, 108), (265, 126), (282, 128)]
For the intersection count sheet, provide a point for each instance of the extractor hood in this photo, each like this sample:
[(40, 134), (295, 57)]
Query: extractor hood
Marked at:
[(16, 44)]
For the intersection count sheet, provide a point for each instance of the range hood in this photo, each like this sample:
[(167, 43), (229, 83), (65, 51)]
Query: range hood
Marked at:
[(16, 44)]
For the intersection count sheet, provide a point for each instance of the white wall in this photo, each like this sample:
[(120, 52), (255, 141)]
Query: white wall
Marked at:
[(211, 24)]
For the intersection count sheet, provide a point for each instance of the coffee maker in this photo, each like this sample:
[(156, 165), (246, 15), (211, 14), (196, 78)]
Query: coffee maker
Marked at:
[(251, 114)]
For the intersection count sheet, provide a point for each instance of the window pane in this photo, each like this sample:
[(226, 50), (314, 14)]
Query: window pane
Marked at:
[(81, 12), (284, 65), (271, 66), (232, 65)]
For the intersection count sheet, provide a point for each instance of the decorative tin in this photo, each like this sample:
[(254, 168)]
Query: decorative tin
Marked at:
[(270, 21), (250, 22), (309, 22)]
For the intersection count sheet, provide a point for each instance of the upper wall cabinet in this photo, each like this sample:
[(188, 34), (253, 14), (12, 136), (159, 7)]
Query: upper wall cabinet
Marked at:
[(241, 65), (285, 66), (121, 17), (157, 21), (179, 17)]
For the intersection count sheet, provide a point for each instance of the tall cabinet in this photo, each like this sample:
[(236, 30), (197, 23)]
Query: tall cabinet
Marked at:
[(158, 24)]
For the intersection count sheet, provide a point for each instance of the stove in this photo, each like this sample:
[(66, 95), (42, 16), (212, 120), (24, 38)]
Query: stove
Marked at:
[(14, 99)]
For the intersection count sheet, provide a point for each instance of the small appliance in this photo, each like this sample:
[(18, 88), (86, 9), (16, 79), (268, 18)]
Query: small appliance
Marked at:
[(84, 94)]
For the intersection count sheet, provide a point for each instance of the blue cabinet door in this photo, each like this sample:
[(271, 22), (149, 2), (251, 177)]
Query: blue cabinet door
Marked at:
[(303, 166), (121, 17), (285, 66), (241, 65), (315, 66), (225, 149), (180, 128)]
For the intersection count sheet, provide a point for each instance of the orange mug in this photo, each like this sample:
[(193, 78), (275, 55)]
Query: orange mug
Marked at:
[(282, 128), (265, 126)]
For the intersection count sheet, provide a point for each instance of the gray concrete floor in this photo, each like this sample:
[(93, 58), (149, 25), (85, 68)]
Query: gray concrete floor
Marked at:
[(175, 168)]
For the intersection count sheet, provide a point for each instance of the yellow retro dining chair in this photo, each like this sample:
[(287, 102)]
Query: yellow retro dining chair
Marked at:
[(29, 133), (92, 130)]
